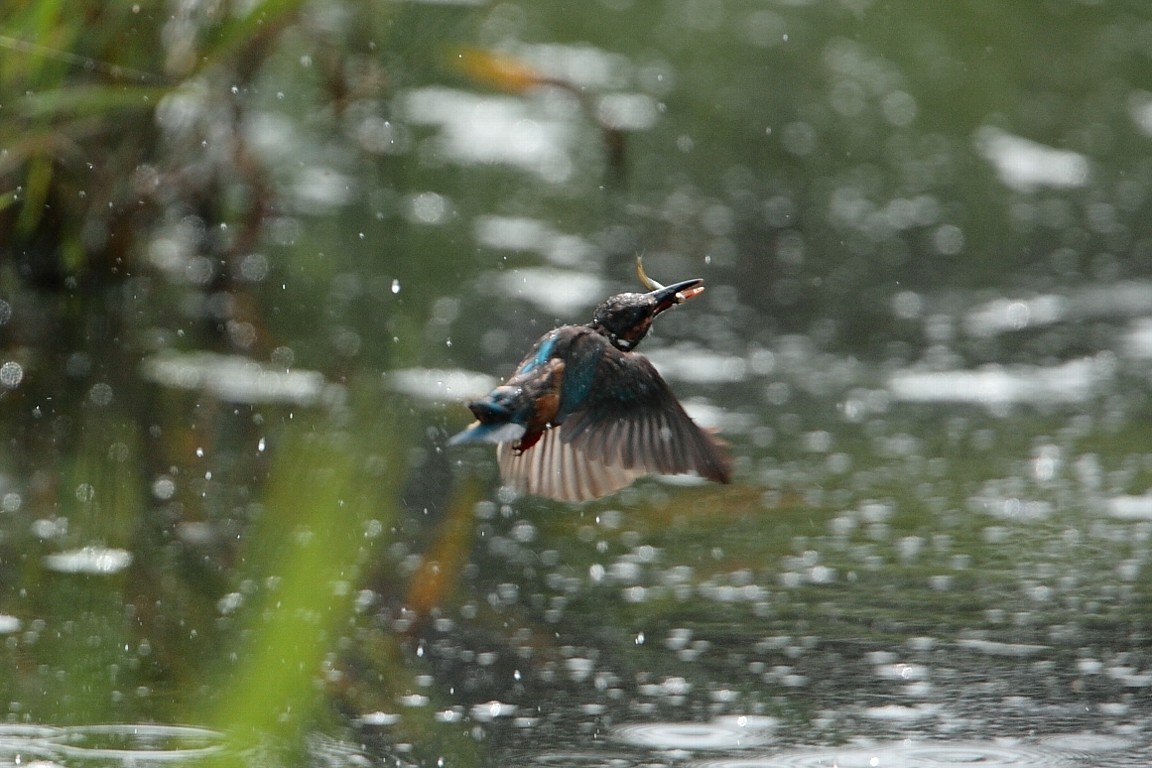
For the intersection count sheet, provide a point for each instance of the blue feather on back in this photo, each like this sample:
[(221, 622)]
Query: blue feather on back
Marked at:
[(543, 353), (580, 373)]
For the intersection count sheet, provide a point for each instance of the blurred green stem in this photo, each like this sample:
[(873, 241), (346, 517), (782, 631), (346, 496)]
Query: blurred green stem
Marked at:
[(304, 561)]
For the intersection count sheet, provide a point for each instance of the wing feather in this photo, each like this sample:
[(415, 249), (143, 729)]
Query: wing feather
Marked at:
[(632, 426), (637, 422), (555, 469)]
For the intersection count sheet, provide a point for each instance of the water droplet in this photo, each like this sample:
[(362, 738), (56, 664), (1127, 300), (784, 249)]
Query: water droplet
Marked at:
[(254, 267), (11, 374), (163, 487), (100, 394)]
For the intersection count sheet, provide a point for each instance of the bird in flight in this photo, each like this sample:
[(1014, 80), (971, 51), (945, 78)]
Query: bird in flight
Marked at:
[(584, 415)]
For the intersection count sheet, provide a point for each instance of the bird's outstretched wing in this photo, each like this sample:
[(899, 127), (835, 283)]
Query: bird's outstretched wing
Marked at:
[(636, 424), (555, 469)]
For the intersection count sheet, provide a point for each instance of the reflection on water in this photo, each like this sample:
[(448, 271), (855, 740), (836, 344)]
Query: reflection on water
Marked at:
[(519, 233), (701, 366), (901, 713), (557, 291), (1071, 382), (90, 560), (1138, 339), (1025, 165), (1131, 507), (1006, 315), (439, 386), (238, 379), (732, 732), (496, 129), (628, 111)]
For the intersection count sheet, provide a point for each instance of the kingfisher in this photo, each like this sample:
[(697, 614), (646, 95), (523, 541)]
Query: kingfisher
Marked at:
[(584, 415)]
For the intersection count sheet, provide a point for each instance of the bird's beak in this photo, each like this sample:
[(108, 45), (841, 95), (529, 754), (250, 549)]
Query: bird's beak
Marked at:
[(669, 296)]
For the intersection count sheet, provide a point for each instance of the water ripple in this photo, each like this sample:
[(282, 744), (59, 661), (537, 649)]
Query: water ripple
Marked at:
[(901, 755), (139, 743), (692, 736), (110, 744)]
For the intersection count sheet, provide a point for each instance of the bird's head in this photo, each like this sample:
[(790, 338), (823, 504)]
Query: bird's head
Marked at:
[(626, 317)]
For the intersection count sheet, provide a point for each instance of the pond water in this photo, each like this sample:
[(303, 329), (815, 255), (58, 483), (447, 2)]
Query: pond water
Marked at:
[(231, 529)]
